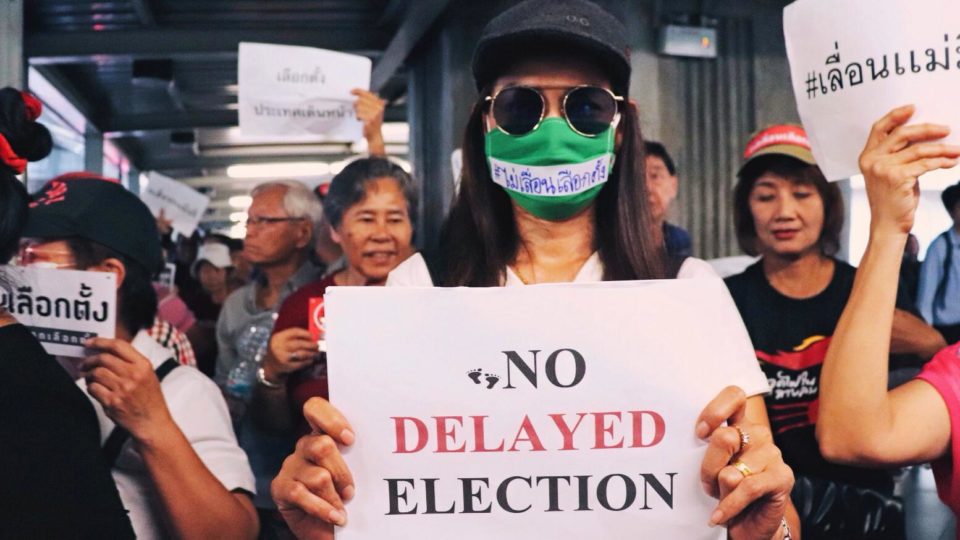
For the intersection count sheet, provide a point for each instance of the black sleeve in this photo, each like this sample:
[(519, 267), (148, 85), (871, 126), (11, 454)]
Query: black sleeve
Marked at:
[(53, 481)]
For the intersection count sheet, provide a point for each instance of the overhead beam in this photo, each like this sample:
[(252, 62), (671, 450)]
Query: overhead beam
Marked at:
[(416, 23), (74, 47), (144, 12), (73, 94), (130, 123), (219, 162)]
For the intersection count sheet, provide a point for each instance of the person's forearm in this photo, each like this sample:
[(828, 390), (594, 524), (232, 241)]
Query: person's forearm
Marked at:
[(854, 406), (376, 146), (195, 504), (271, 408), (913, 336)]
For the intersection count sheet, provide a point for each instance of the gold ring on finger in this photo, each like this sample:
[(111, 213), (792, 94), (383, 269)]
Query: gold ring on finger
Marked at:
[(744, 438), (742, 467)]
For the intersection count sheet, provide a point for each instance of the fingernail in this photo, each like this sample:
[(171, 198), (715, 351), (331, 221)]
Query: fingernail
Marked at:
[(87, 342), (347, 437), (337, 517), (706, 487), (702, 430), (348, 493), (715, 518)]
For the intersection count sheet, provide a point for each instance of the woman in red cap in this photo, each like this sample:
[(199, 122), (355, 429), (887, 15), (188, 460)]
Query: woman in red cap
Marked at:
[(553, 77), (786, 212)]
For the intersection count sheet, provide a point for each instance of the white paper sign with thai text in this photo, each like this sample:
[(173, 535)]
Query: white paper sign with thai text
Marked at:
[(291, 92), (852, 61), (556, 411), (60, 307), (180, 203)]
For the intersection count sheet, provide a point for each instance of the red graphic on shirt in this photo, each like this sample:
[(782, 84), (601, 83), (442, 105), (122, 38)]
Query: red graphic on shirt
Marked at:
[(795, 388), (804, 356)]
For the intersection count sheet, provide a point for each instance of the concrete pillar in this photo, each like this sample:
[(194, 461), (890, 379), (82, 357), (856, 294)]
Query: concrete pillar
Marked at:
[(440, 97), (93, 152), (12, 65)]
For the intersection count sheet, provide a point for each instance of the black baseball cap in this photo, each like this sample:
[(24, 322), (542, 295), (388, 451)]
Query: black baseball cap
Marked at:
[(84, 205), (572, 23)]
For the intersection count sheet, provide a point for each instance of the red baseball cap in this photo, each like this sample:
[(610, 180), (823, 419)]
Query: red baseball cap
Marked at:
[(783, 140)]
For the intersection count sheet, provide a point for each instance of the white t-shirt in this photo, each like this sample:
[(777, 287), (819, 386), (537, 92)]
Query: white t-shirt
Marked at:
[(744, 372), (198, 408), (413, 272)]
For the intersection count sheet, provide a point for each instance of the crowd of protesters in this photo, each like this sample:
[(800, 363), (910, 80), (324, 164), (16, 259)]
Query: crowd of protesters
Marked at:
[(208, 414)]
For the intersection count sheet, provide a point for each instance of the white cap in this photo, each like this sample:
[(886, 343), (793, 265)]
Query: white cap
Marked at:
[(216, 254)]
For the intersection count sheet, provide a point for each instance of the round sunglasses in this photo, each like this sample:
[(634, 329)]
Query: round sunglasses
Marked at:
[(588, 110)]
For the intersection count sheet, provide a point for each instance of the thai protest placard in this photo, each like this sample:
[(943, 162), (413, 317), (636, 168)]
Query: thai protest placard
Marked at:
[(60, 307), (852, 61), (180, 203), (551, 411), (293, 92)]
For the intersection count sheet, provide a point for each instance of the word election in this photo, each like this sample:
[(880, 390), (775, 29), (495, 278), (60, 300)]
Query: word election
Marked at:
[(613, 492), (25, 302), (287, 75), (927, 60)]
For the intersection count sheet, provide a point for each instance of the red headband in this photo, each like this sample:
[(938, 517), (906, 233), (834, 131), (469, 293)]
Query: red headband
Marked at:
[(33, 108), (33, 105), (10, 158)]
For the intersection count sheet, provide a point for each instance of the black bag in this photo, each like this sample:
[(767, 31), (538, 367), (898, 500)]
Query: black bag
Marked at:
[(832, 510)]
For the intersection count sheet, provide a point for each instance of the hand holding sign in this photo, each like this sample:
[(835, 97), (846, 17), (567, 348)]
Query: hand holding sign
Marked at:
[(894, 157), (752, 505), (124, 383), (314, 481), (370, 108)]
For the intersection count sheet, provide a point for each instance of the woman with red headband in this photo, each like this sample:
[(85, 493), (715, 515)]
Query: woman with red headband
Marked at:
[(53, 482)]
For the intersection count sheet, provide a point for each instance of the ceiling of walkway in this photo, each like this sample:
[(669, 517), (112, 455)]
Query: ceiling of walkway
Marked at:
[(159, 77)]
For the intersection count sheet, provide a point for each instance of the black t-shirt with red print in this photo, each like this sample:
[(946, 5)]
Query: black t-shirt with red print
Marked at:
[(791, 338)]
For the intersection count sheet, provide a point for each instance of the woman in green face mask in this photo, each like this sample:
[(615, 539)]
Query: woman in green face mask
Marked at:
[(553, 190)]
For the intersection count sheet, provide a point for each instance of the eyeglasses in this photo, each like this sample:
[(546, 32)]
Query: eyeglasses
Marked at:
[(588, 110), (35, 256), (264, 220)]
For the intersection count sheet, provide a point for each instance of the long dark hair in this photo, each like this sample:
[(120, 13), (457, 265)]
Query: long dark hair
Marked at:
[(479, 238)]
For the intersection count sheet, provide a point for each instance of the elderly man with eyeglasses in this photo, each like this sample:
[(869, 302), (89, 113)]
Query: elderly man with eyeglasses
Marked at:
[(280, 226)]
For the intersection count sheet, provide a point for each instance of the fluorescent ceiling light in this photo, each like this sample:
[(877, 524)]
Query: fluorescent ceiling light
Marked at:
[(279, 170), (240, 201), (239, 217)]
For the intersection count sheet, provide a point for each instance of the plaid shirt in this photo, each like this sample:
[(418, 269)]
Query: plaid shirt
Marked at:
[(168, 336)]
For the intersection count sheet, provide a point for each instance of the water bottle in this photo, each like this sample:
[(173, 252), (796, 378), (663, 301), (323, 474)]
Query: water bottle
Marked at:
[(252, 346)]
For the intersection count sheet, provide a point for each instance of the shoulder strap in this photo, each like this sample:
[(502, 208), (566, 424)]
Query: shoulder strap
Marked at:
[(113, 445), (940, 296)]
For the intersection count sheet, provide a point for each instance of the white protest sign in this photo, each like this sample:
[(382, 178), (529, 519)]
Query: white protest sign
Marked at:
[(180, 203), (289, 92), (61, 307), (852, 61), (532, 412)]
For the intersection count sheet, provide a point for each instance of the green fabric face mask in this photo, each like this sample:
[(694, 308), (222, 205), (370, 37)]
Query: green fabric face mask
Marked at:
[(552, 172)]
